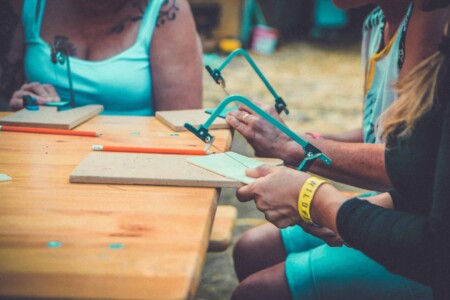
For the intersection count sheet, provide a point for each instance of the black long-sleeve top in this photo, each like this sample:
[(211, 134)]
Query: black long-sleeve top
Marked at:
[(412, 240)]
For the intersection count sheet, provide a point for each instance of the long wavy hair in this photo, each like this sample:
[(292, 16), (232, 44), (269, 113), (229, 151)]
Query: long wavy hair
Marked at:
[(417, 92)]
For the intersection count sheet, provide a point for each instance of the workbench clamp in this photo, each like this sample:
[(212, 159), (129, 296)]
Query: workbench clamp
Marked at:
[(281, 106), (202, 133), (216, 75)]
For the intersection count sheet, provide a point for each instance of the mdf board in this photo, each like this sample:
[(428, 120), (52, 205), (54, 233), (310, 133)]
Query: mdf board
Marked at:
[(149, 169), (175, 119), (50, 117)]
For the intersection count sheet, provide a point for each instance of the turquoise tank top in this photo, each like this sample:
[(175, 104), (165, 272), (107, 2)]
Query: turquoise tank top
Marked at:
[(121, 83), (382, 67)]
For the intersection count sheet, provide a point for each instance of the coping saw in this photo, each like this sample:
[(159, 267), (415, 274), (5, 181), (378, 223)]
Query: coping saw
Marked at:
[(311, 152)]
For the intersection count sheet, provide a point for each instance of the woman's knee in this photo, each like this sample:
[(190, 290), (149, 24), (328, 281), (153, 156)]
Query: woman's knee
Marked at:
[(257, 249), (264, 237), (245, 245), (270, 283)]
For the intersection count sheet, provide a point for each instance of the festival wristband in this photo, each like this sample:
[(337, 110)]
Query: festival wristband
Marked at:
[(306, 196)]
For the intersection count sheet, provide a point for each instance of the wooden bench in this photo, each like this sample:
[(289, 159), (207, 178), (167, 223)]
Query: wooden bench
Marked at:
[(222, 229)]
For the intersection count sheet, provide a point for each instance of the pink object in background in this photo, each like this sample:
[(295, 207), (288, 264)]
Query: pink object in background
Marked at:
[(264, 39)]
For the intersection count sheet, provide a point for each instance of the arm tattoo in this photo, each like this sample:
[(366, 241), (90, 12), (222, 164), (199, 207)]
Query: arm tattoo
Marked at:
[(11, 69), (140, 6), (168, 12)]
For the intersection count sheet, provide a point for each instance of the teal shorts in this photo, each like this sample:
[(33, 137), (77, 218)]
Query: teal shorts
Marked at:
[(316, 271)]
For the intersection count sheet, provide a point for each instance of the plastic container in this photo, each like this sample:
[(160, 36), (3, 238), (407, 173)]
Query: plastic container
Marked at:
[(265, 39)]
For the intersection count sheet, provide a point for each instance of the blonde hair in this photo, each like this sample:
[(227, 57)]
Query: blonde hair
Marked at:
[(417, 92)]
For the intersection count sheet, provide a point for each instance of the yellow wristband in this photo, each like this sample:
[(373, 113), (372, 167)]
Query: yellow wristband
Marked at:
[(306, 196)]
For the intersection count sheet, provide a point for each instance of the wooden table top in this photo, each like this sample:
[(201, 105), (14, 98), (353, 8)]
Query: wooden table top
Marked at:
[(99, 241)]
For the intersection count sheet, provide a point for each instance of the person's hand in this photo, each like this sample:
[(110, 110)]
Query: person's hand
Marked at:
[(327, 235), (275, 192), (266, 140), (43, 93)]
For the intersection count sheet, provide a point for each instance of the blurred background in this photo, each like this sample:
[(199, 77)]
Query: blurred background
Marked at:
[(308, 50), (310, 53)]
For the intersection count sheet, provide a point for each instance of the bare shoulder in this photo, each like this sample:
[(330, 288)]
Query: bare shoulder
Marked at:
[(176, 24), (176, 54), (173, 14), (15, 5), (11, 49), (423, 36), (11, 31)]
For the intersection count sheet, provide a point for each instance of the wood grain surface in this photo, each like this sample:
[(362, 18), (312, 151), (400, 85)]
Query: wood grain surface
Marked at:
[(116, 241), (49, 117)]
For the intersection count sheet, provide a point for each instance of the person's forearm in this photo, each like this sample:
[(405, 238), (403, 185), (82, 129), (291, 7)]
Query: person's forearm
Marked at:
[(352, 136), (357, 164), (328, 200), (292, 154), (383, 200)]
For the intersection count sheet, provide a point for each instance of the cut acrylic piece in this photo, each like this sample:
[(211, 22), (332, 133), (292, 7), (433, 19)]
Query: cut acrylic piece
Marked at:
[(231, 165)]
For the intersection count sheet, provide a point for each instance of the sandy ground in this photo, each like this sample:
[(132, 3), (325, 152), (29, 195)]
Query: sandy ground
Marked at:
[(322, 85)]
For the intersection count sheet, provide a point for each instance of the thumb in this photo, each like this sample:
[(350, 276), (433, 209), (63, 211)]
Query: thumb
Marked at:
[(260, 171)]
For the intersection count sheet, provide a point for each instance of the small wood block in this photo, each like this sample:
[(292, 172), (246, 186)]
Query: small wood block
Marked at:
[(175, 119), (49, 117), (222, 229), (148, 169)]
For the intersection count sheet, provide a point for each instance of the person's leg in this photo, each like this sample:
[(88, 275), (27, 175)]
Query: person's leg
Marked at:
[(259, 257), (332, 273), (316, 271), (269, 283), (257, 249), (265, 246)]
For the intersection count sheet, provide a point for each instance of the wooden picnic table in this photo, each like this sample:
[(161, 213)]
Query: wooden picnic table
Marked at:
[(63, 240)]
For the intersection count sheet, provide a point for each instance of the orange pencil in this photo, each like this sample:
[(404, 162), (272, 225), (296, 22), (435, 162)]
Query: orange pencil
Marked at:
[(150, 150), (48, 131)]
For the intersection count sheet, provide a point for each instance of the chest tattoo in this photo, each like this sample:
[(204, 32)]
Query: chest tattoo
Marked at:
[(61, 43)]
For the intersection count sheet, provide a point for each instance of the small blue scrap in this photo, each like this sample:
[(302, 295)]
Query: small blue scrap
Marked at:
[(30, 103), (54, 244), (116, 246)]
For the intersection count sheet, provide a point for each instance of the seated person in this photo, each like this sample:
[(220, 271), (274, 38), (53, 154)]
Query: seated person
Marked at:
[(291, 263), (132, 57), (405, 230)]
